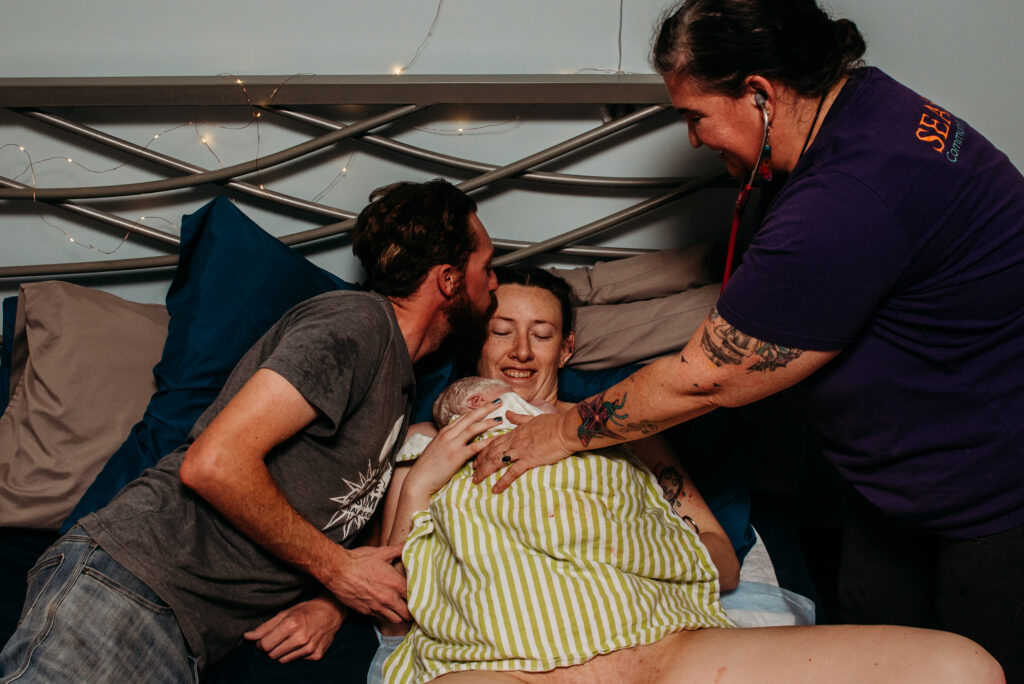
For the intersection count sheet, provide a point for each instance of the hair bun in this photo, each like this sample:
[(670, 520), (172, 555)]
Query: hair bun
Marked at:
[(849, 41)]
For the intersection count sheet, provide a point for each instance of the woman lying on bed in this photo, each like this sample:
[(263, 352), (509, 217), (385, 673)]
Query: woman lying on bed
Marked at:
[(643, 641), (475, 559)]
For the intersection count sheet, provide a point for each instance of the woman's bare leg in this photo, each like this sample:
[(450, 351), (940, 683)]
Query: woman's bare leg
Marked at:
[(839, 653), (835, 654)]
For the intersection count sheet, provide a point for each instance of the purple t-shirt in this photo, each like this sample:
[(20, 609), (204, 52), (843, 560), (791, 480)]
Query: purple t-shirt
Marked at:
[(899, 239)]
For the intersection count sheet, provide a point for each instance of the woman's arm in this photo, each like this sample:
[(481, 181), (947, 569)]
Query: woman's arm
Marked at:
[(681, 493), (720, 366), (389, 507)]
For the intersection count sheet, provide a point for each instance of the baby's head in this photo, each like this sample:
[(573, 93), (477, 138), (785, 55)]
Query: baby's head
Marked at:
[(465, 395)]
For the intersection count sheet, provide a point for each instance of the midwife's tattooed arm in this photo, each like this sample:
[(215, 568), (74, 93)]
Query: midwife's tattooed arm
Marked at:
[(723, 344)]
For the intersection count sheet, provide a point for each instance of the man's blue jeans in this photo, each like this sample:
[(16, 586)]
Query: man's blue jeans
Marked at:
[(87, 619)]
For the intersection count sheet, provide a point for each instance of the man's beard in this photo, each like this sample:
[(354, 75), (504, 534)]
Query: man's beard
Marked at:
[(464, 319)]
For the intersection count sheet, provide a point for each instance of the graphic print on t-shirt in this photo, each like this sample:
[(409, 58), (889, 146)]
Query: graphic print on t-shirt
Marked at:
[(936, 126), (357, 504)]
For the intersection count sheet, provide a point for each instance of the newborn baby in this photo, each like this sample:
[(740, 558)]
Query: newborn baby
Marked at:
[(462, 396)]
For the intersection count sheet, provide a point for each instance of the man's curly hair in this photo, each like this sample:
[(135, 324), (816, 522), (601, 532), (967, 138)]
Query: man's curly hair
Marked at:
[(407, 229)]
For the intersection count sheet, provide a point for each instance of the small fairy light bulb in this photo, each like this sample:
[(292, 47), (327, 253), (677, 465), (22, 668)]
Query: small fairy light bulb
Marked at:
[(204, 141), (238, 81), (344, 169), (459, 129), (20, 148), (71, 239), (156, 136), (70, 160), (396, 70)]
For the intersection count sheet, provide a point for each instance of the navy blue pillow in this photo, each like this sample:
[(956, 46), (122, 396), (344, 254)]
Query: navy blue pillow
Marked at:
[(232, 283), (576, 385), (9, 310)]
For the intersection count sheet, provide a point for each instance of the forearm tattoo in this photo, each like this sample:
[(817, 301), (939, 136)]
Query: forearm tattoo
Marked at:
[(596, 414), (724, 344)]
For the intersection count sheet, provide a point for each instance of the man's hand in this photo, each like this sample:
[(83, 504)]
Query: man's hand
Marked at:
[(536, 441), (368, 583), (304, 630)]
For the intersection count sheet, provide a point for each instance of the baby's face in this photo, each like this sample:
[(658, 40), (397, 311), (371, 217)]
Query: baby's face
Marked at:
[(486, 397)]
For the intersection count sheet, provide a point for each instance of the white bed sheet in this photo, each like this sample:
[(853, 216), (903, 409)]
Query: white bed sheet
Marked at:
[(759, 601)]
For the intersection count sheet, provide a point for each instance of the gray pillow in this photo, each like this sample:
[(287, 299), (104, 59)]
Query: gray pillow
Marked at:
[(81, 376)]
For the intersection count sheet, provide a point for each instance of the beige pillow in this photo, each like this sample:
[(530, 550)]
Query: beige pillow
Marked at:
[(81, 377)]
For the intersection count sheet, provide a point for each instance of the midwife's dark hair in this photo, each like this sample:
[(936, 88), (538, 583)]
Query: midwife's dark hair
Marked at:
[(722, 42), (531, 276), (407, 229)]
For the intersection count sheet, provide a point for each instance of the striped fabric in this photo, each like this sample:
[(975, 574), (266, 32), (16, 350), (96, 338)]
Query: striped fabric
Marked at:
[(575, 559)]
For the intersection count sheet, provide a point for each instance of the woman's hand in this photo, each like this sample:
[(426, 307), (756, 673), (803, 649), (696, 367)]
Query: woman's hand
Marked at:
[(537, 440), (449, 451), (442, 458), (304, 630)]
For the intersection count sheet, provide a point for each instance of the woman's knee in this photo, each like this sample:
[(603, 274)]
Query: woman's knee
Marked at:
[(958, 659)]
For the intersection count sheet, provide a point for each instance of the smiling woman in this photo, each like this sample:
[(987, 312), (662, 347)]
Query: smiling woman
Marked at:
[(529, 337)]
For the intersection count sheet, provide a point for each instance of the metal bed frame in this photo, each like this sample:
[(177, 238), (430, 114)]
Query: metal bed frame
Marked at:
[(641, 97)]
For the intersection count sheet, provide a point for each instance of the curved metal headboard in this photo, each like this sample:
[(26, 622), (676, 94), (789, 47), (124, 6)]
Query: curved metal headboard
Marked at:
[(639, 97)]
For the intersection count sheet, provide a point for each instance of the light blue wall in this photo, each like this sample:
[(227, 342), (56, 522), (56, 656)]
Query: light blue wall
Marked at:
[(965, 56)]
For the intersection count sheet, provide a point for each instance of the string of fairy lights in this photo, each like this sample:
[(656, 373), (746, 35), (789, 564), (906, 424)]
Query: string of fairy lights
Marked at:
[(204, 136)]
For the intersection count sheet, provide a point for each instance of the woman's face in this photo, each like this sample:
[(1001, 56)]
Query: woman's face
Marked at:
[(524, 345), (731, 126)]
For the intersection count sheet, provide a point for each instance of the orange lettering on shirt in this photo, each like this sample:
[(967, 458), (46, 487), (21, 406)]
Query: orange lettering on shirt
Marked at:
[(942, 113), (936, 125), (939, 145)]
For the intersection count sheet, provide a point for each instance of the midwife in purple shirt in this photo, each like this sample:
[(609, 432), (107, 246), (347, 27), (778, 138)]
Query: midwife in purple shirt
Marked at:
[(885, 282)]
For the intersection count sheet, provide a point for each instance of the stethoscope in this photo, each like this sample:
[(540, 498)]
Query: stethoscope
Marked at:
[(763, 170)]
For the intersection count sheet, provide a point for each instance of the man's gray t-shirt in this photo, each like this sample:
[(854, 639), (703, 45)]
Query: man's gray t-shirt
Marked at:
[(344, 352)]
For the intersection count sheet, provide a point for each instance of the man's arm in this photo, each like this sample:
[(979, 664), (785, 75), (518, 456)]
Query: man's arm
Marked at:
[(720, 366), (225, 466)]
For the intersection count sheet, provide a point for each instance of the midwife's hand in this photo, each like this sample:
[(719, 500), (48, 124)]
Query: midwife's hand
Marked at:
[(537, 441), (304, 630), (366, 581), (449, 451)]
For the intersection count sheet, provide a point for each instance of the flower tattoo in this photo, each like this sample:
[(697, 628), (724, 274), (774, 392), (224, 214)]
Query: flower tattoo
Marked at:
[(595, 414)]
